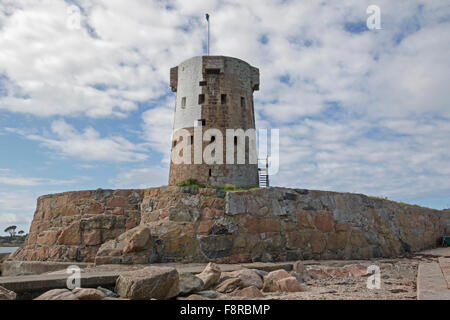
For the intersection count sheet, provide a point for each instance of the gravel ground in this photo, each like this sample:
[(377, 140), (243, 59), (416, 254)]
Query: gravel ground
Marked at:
[(398, 281)]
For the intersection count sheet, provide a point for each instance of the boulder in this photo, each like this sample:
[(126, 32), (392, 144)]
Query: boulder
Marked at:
[(194, 297), (289, 284), (107, 293), (211, 294), (189, 283), (137, 239), (298, 267), (249, 292), (270, 285), (6, 294), (356, 270), (88, 294), (147, 283), (210, 275), (297, 276), (249, 277), (57, 294), (278, 275), (261, 273), (229, 285), (317, 273)]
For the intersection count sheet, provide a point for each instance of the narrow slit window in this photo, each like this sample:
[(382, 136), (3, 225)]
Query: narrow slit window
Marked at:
[(210, 172), (202, 83), (201, 122), (223, 99), (201, 98), (213, 138), (242, 102), (191, 139), (235, 141), (212, 71), (183, 102)]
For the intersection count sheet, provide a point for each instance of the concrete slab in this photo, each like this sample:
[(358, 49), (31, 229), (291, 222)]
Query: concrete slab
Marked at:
[(17, 268), (438, 252), (27, 287), (431, 283), (444, 263)]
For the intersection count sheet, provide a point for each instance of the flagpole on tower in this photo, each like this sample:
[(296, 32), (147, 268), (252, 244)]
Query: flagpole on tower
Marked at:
[(207, 48)]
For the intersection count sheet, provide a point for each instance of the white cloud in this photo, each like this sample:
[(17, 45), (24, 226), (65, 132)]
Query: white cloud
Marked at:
[(157, 126), (9, 178), (87, 145), (152, 176), (388, 133), (17, 207)]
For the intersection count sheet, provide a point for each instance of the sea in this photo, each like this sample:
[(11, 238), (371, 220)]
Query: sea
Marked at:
[(8, 249)]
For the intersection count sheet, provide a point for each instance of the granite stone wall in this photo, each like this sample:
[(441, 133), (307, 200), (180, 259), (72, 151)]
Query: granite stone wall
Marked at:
[(169, 224)]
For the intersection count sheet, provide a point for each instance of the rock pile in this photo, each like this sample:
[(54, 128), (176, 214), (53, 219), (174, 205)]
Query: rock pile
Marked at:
[(163, 283)]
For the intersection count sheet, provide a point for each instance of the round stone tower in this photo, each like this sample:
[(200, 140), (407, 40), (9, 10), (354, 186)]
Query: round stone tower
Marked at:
[(214, 92)]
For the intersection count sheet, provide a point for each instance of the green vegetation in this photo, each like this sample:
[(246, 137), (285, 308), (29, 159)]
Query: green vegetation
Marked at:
[(401, 204), (228, 187)]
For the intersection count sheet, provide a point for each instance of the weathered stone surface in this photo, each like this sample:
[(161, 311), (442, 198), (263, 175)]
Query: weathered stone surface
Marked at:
[(57, 294), (317, 273), (270, 285), (71, 235), (210, 275), (88, 294), (248, 277), (289, 284), (151, 282), (171, 224), (92, 237), (189, 283), (6, 294), (277, 275), (248, 293), (230, 285), (298, 267), (107, 293)]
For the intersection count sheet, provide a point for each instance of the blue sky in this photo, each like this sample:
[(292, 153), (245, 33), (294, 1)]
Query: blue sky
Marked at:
[(358, 110)]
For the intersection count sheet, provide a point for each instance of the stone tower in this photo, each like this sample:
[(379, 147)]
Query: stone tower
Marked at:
[(215, 92)]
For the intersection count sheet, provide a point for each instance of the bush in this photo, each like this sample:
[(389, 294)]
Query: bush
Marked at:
[(229, 187), (190, 183)]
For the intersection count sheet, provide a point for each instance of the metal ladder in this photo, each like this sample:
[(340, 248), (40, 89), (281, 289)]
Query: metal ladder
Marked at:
[(263, 173)]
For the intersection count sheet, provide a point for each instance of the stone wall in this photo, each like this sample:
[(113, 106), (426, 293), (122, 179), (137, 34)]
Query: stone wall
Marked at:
[(197, 225), (71, 226)]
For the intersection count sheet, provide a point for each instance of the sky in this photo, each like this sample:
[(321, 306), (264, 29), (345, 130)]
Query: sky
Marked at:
[(85, 101)]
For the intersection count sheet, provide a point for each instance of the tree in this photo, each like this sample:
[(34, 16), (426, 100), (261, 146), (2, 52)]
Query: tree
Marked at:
[(11, 230), (21, 232)]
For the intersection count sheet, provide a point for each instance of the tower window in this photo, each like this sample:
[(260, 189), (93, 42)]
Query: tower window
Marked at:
[(213, 138), (202, 83), (183, 102), (201, 122), (201, 98), (210, 173), (191, 139), (242, 102), (235, 141), (212, 71), (223, 99)]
